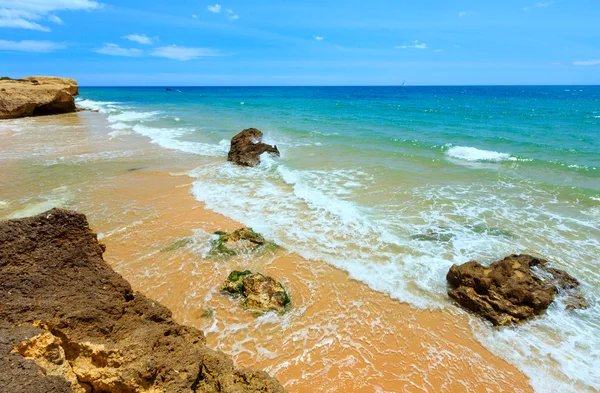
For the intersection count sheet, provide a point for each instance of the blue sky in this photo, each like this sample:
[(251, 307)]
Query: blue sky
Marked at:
[(308, 42)]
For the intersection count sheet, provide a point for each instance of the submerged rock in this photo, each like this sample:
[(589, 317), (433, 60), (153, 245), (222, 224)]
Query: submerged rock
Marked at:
[(246, 148), (176, 245), (509, 291), (37, 96), (241, 240), (69, 323), (260, 293)]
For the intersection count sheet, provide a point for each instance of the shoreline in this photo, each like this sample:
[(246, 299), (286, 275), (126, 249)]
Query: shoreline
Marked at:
[(375, 343), (422, 331)]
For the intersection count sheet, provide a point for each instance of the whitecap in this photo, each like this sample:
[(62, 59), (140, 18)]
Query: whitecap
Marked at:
[(473, 154), (168, 138), (101, 106), (130, 116)]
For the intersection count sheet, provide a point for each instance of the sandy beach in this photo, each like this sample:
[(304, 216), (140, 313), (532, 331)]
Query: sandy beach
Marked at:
[(339, 334)]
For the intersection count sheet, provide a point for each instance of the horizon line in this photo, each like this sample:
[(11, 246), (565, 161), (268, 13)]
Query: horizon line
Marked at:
[(405, 86)]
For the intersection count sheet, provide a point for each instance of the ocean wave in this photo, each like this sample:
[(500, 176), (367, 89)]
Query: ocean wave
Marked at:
[(101, 106), (167, 138), (131, 116), (405, 248), (473, 154)]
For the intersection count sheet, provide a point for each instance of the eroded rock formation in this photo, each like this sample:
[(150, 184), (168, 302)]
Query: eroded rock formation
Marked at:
[(37, 96), (259, 293), (69, 323), (510, 291), (246, 148)]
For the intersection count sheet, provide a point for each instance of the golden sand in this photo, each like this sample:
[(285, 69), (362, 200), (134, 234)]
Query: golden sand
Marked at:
[(339, 336)]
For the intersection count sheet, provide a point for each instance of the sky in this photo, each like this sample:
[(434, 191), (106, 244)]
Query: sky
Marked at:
[(302, 42)]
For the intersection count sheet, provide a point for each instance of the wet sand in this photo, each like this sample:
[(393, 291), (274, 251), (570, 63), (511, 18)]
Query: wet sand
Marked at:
[(339, 336)]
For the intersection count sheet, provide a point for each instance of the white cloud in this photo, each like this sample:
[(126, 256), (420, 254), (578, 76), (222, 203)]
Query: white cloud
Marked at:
[(214, 8), (116, 50), (232, 16), (438, 50), (587, 63), (539, 4), (462, 14), (319, 38), (194, 16), (20, 23), (413, 45), (23, 14), (140, 39), (55, 19), (183, 53), (31, 46)]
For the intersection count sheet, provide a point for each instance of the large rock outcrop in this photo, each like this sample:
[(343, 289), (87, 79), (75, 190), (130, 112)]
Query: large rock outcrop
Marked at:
[(246, 148), (69, 323), (37, 96), (509, 291)]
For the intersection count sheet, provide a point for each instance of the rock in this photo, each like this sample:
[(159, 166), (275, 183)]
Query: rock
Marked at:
[(246, 148), (509, 291), (260, 293), (69, 323), (242, 240), (37, 96)]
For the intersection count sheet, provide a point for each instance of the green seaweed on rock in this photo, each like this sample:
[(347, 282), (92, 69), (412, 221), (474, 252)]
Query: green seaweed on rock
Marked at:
[(242, 240), (177, 244), (235, 282), (208, 313)]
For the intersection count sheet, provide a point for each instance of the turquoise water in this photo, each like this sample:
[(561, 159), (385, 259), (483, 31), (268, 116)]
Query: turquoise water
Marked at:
[(394, 185)]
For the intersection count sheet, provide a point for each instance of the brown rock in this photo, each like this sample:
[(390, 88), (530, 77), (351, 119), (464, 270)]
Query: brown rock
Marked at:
[(37, 96), (69, 323), (260, 293), (246, 148), (509, 291)]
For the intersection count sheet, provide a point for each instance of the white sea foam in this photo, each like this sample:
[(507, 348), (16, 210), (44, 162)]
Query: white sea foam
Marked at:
[(58, 197), (304, 211), (101, 106), (132, 116), (120, 126), (475, 155), (168, 138)]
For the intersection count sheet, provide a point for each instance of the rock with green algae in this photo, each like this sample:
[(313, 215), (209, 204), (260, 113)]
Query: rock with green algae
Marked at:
[(260, 293), (242, 240)]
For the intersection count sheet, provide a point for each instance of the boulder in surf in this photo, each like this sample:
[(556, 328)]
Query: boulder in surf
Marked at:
[(259, 293), (247, 146), (511, 290)]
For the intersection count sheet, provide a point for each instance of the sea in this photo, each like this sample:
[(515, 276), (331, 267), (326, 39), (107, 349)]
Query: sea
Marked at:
[(396, 184)]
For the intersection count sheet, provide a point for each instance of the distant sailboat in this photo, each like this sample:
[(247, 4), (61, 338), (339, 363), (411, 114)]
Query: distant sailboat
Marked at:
[(403, 84)]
